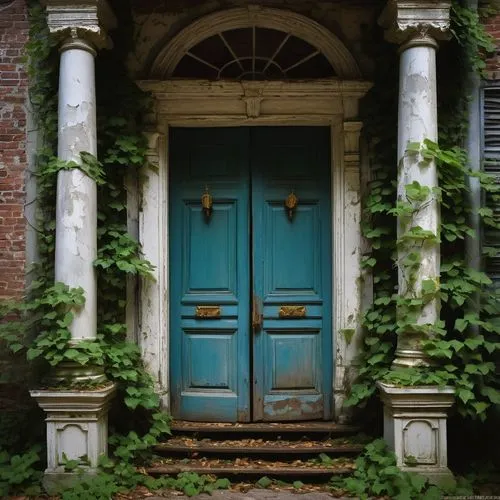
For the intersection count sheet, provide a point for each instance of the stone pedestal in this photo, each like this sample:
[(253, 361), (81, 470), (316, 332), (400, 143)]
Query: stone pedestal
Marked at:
[(415, 428), (77, 429)]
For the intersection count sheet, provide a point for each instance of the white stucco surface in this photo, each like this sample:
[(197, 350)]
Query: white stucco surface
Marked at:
[(417, 26), (417, 122), (76, 207)]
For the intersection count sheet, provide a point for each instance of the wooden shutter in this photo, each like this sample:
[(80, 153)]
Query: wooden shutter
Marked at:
[(491, 164)]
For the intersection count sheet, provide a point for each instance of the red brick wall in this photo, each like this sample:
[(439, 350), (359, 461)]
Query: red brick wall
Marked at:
[(13, 96), (493, 63)]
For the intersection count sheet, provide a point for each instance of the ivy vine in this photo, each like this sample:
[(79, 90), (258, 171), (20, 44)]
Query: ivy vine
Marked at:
[(39, 325), (459, 356), (376, 474), (465, 359)]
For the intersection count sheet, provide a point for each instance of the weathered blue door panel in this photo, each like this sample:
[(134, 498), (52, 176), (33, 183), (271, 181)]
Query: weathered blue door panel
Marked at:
[(292, 272), (226, 262), (210, 362)]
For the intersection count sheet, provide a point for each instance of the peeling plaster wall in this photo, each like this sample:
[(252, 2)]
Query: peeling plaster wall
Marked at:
[(158, 21)]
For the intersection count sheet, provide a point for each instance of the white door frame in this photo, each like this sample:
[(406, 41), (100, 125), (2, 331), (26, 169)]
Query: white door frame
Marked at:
[(200, 103)]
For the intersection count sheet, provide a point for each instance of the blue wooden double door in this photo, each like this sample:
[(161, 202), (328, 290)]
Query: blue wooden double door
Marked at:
[(250, 274)]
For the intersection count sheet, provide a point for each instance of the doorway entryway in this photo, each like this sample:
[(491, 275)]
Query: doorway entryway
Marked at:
[(250, 274)]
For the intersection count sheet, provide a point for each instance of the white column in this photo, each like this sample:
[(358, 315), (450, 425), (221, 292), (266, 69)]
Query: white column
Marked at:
[(416, 26), (81, 29), (76, 208), (76, 419), (417, 122), (415, 417)]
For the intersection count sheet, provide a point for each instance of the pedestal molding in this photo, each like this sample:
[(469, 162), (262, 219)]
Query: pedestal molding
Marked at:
[(66, 400), (400, 398)]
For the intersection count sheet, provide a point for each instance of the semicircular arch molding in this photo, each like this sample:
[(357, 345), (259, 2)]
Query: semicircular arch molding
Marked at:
[(302, 27)]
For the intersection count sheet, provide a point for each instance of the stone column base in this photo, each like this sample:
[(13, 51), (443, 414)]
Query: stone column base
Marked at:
[(77, 429), (415, 428)]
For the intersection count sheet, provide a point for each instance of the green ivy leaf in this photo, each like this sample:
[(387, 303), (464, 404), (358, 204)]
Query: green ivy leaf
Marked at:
[(465, 395), (480, 406), (264, 482), (492, 394)]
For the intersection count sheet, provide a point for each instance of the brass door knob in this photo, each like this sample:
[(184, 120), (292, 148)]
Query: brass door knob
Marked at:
[(257, 317), (291, 203)]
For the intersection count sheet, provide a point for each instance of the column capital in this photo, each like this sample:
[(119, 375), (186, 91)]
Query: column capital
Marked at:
[(86, 20), (405, 20)]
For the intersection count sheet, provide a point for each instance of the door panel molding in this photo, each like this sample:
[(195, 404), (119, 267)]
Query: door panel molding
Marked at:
[(209, 353), (185, 103), (307, 275), (292, 265), (223, 222)]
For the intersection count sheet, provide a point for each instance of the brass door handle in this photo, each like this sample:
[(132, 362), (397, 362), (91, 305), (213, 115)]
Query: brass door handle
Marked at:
[(292, 311), (291, 203), (256, 314), (207, 311)]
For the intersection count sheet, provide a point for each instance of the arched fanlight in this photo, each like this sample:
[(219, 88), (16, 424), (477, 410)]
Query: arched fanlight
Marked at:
[(253, 53)]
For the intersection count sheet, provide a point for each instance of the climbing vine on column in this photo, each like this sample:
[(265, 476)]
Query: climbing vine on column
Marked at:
[(459, 357), (463, 359), (41, 330)]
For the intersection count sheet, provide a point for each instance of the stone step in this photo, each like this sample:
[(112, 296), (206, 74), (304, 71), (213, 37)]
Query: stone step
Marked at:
[(253, 468), (189, 445), (259, 428), (315, 450)]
